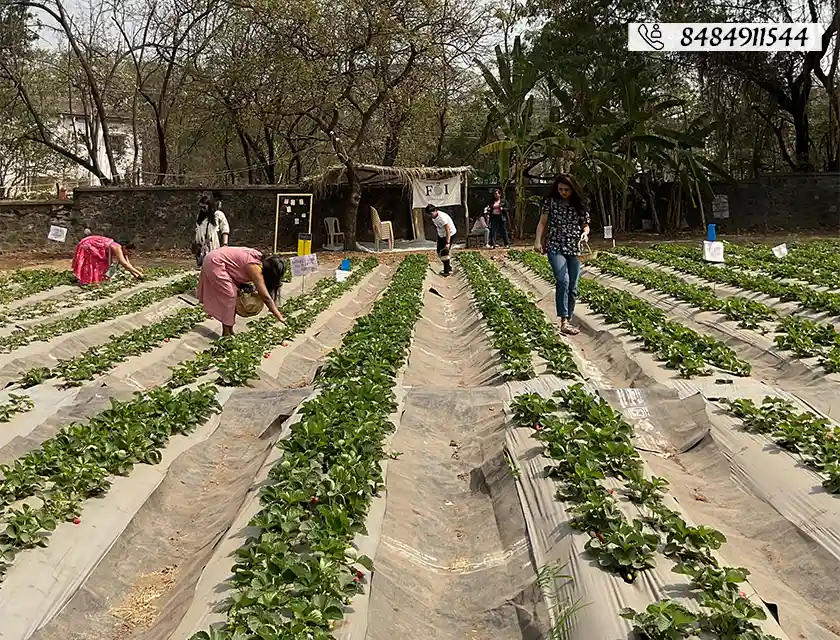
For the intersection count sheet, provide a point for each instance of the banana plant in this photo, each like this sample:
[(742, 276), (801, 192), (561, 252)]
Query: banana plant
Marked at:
[(510, 104)]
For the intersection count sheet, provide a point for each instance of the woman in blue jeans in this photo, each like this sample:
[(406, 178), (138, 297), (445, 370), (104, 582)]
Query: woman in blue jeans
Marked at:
[(564, 224)]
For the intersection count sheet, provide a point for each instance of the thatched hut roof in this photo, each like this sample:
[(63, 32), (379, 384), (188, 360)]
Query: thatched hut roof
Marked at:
[(372, 174)]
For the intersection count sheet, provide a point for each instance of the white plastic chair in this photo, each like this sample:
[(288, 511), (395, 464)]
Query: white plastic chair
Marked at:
[(381, 230), (333, 232)]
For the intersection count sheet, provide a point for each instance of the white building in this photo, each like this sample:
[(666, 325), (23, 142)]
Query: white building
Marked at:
[(37, 177)]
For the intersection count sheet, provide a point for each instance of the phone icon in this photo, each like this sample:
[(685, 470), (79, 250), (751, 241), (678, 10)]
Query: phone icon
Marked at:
[(654, 40)]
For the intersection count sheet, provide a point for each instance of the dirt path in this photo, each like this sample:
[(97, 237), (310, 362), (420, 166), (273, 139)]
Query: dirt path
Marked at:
[(453, 560)]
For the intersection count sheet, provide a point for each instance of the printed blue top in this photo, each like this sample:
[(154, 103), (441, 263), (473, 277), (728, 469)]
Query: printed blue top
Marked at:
[(565, 226)]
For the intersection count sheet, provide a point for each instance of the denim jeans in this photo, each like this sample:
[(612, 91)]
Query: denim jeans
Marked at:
[(567, 273), (498, 227)]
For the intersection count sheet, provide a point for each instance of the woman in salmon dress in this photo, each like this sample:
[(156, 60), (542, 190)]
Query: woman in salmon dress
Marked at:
[(94, 256), (225, 269)]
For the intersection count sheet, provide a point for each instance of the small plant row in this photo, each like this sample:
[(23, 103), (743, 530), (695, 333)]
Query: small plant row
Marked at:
[(594, 442), (89, 317), (27, 282), (518, 326), (803, 337), (237, 358), (50, 484), (101, 358), (16, 404), (679, 347), (294, 579), (749, 314), (81, 295), (813, 438), (693, 264), (815, 263)]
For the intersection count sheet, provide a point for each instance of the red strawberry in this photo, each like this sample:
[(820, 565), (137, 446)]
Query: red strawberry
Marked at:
[(356, 579), (166, 339), (285, 344), (359, 575), (77, 520), (314, 500), (266, 355)]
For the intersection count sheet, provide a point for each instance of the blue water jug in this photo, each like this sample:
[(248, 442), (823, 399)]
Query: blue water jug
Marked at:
[(712, 233), (345, 264)]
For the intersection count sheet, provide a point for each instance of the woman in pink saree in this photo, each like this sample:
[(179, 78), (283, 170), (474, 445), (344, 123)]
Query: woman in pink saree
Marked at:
[(95, 255)]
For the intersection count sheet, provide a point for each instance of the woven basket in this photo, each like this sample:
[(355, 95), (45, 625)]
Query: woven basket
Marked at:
[(248, 304), (586, 253)]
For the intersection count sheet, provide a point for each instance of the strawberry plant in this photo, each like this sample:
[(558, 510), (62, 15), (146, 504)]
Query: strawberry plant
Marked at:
[(805, 434), (17, 404), (663, 620), (237, 357), (593, 443), (749, 314), (95, 315), (77, 462), (518, 327), (80, 295), (26, 282), (100, 358), (295, 578), (678, 346), (689, 260)]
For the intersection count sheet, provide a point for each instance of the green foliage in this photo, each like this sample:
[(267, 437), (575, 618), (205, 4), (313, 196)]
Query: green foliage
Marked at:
[(679, 347), (295, 577)]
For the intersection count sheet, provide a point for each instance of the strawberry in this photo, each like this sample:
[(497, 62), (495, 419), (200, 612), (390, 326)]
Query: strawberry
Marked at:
[(77, 520), (166, 339), (357, 579), (314, 500), (266, 355)]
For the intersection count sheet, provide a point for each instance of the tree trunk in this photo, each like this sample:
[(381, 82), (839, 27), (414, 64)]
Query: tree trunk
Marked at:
[(351, 206)]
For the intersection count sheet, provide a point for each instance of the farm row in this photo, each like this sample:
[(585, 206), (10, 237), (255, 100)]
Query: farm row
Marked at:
[(299, 571)]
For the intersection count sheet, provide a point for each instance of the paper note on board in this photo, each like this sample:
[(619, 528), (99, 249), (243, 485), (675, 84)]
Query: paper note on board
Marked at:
[(59, 234), (607, 232), (781, 251), (285, 201), (297, 220), (288, 209)]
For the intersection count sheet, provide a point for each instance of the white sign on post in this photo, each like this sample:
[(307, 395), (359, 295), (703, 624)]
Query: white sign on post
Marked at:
[(607, 232), (780, 251), (304, 265), (712, 251), (720, 207), (59, 234)]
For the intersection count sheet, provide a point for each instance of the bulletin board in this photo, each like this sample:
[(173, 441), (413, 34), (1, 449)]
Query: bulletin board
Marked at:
[(298, 208)]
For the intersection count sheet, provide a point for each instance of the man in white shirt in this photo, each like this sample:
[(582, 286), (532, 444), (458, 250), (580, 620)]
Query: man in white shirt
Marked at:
[(445, 231)]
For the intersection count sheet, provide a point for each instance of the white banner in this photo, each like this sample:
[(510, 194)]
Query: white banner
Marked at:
[(440, 193)]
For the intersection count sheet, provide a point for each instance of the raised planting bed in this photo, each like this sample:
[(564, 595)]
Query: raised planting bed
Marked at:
[(236, 358), (630, 532), (688, 262), (51, 483), (26, 282), (681, 348), (519, 328), (101, 358), (95, 315), (81, 295), (814, 439), (803, 337), (294, 578)]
